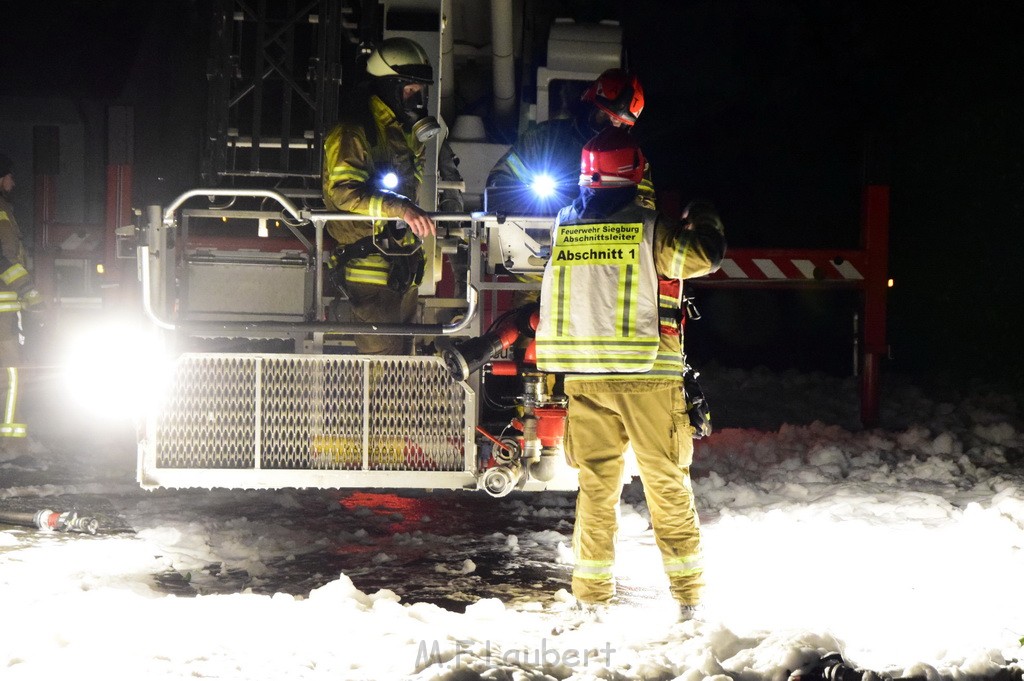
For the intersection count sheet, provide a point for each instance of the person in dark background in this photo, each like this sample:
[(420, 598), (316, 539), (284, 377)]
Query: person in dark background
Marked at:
[(373, 164), (17, 293), (553, 147), (603, 323)]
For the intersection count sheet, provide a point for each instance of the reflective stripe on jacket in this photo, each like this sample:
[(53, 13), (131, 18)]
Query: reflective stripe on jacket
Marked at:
[(9, 301)]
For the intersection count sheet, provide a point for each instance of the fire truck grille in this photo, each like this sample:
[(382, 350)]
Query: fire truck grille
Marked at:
[(312, 412)]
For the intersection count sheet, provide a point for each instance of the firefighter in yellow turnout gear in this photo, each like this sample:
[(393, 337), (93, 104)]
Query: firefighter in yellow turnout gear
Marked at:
[(17, 293), (373, 164), (604, 325)]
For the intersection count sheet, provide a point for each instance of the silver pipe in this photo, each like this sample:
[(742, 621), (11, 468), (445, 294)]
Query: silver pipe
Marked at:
[(318, 295), (457, 185), (286, 203), (147, 291), (446, 78), (311, 215), (159, 246), (503, 58)]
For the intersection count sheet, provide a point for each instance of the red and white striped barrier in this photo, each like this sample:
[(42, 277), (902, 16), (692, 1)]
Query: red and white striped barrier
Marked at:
[(791, 266), (866, 269)]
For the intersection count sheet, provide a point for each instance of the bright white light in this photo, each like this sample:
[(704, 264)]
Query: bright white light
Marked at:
[(389, 180), (543, 185), (114, 369), (849, 574)]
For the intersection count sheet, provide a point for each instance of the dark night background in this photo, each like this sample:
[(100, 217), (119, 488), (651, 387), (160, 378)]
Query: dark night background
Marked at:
[(777, 111)]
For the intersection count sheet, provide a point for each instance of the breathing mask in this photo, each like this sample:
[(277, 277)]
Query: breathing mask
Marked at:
[(411, 111)]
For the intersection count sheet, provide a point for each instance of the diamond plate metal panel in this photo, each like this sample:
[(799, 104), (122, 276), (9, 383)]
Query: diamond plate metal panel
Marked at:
[(415, 420), (208, 417), (310, 412)]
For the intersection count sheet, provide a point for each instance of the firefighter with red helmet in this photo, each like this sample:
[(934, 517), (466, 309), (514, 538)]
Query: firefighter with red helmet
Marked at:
[(619, 343), (552, 148), (17, 293), (618, 94)]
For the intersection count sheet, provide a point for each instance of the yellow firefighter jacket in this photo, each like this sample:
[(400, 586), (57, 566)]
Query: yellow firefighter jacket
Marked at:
[(14, 277), (600, 308), (355, 162), (16, 292)]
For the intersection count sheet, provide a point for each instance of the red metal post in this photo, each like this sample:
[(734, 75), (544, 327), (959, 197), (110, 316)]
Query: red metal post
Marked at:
[(46, 165), (119, 275), (875, 237), (118, 214)]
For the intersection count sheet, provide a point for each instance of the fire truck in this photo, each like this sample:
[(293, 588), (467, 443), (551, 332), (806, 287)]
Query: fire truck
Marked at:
[(246, 375), (242, 371)]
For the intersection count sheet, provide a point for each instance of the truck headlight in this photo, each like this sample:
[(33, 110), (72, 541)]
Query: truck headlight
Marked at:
[(114, 369)]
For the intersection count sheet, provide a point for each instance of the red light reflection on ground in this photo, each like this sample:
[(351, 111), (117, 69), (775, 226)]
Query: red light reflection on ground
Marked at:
[(406, 513)]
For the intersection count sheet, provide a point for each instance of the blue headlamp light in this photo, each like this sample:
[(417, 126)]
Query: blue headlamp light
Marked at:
[(543, 185)]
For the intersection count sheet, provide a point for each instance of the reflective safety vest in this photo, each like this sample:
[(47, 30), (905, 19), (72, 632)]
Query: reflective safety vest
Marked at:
[(599, 297)]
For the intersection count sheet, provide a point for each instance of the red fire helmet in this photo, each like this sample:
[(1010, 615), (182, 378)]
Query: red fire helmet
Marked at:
[(618, 93), (611, 159)]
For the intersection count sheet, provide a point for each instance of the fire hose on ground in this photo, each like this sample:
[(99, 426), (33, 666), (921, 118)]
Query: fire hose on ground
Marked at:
[(51, 521)]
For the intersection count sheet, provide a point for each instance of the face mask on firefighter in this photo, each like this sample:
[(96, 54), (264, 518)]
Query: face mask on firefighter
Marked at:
[(414, 111), (408, 100)]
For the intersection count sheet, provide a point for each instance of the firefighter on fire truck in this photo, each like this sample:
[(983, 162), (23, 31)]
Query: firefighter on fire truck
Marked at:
[(373, 165), (549, 153), (610, 327), (551, 150)]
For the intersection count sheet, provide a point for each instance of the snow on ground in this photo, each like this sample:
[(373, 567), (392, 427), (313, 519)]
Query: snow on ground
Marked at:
[(901, 547)]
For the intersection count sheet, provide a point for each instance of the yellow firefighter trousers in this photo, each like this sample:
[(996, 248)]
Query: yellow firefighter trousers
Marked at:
[(10, 354), (372, 303), (602, 421)]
